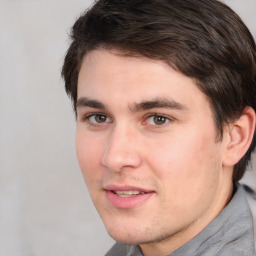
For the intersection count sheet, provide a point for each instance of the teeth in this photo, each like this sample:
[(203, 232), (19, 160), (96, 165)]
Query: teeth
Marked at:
[(128, 193)]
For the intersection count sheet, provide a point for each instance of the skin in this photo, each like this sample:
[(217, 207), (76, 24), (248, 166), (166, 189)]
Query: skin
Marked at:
[(175, 157)]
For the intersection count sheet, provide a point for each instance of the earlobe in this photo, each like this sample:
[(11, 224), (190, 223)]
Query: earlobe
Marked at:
[(240, 135)]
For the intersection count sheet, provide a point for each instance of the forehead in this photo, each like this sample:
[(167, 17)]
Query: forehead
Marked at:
[(113, 78)]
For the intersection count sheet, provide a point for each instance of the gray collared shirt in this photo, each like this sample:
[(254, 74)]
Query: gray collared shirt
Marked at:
[(229, 234)]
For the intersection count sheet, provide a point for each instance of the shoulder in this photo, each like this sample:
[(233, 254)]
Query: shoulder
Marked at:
[(230, 233)]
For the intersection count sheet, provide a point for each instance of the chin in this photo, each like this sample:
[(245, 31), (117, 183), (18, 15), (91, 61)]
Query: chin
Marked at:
[(126, 240), (131, 240), (135, 237), (130, 237)]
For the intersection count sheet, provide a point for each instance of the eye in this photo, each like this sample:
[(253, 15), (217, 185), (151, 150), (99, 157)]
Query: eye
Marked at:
[(97, 118), (157, 120)]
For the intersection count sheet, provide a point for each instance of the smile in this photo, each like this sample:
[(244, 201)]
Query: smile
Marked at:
[(126, 197), (128, 193)]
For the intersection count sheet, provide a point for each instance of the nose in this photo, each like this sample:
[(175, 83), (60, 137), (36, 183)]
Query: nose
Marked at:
[(122, 150)]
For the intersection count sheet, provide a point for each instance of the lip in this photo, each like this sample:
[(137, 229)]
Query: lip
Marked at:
[(127, 202)]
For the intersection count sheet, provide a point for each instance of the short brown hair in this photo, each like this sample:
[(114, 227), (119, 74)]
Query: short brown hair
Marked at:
[(203, 39)]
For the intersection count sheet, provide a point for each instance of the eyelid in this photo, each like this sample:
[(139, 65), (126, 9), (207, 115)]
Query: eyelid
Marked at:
[(170, 119), (85, 118), (159, 114)]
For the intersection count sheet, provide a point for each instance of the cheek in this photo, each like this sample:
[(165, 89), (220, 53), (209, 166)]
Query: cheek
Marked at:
[(184, 159), (88, 152), (189, 178)]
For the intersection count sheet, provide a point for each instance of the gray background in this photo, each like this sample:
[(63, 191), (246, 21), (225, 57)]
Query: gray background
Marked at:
[(44, 205)]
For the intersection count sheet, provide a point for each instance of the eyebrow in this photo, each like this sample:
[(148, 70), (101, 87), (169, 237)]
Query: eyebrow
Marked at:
[(86, 102), (136, 107), (157, 103)]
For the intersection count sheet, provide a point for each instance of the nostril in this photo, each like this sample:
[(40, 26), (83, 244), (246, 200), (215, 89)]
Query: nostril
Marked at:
[(122, 160)]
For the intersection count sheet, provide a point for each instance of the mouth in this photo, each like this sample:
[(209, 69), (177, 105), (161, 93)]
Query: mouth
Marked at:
[(128, 193), (127, 197)]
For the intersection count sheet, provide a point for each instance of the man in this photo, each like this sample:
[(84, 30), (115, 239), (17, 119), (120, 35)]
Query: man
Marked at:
[(165, 96)]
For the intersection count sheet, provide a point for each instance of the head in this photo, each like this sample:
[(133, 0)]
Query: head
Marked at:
[(201, 47), (213, 47)]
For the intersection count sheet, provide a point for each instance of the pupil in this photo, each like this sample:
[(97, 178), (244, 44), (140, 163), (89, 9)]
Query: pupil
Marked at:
[(159, 120), (100, 118)]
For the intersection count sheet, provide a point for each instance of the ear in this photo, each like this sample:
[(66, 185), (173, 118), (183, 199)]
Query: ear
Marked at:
[(239, 137)]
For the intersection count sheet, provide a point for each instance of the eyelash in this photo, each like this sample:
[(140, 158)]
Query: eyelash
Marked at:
[(167, 119), (86, 118)]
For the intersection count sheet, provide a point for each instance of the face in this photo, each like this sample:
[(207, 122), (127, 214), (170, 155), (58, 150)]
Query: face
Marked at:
[(146, 145)]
